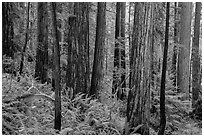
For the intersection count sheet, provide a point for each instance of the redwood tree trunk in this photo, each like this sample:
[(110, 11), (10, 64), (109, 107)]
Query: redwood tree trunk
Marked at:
[(174, 58), (196, 87), (7, 30), (138, 104), (77, 74), (119, 51), (42, 48), (123, 66), (57, 122), (184, 51), (97, 74), (70, 39), (116, 75), (26, 40), (163, 77)]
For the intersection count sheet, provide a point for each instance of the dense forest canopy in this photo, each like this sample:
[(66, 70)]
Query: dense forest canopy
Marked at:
[(101, 68)]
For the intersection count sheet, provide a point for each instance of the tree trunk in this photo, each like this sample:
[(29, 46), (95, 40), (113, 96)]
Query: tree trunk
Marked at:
[(116, 75), (26, 40), (57, 122), (7, 30), (130, 43), (97, 74), (77, 73), (70, 40), (119, 82), (196, 87), (87, 60), (184, 51), (123, 66), (174, 58), (163, 77), (82, 41), (138, 104), (42, 49)]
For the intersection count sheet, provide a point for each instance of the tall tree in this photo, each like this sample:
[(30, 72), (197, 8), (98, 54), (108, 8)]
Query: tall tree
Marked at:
[(70, 39), (119, 51), (7, 29), (26, 39), (116, 75), (77, 73), (81, 10), (56, 69), (140, 74), (196, 87), (97, 73), (42, 40), (184, 48), (122, 34), (152, 52), (163, 77), (87, 49), (174, 57)]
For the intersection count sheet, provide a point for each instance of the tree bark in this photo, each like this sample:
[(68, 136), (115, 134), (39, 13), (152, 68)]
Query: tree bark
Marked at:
[(7, 30), (26, 40), (184, 51), (70, 39), (123, 65), (97, 74), (116, 75), (78, 73), (57, 122), (196, 85), (119, 82), (87, 58), (163, 77), (140, 73), (42, 48), (174, 58)]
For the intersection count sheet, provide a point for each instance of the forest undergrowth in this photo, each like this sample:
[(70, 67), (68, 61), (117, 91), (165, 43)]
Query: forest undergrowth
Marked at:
[(82, 115), (181, 119)]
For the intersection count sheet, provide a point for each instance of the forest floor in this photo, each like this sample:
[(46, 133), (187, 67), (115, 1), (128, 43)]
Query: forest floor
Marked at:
[(191, 123), (86, 116), (189, 127), (181, 118)]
